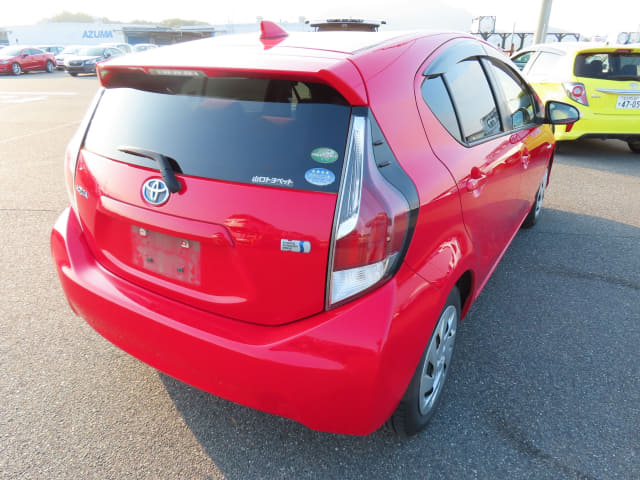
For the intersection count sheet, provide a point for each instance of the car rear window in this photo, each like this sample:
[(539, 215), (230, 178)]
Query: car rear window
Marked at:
[(270, 132), (619, 65)]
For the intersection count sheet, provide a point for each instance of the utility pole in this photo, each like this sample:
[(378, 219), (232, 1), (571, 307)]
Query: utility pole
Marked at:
[(543, 21)]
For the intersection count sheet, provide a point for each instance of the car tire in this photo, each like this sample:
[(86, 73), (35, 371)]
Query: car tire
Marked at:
[(424, 391), (49, 67), (16, 69), (634, 145), (536, 208)]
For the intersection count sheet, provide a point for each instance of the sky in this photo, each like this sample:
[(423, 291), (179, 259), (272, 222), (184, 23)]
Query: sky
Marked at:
[(588, 17)]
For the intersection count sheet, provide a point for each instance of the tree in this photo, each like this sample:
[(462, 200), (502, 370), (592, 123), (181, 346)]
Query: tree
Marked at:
[(178, 22), (66, 16)]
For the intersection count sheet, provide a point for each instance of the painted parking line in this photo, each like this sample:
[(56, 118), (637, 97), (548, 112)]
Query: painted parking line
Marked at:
[(11, 92), (18, 99), (27, 97), (39, 132)]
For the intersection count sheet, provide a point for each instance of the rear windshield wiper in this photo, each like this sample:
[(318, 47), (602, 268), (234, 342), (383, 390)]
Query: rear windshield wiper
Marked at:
[(166, 170)]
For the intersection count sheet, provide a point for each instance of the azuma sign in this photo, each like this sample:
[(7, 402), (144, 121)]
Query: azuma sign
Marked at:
[(97, 34)]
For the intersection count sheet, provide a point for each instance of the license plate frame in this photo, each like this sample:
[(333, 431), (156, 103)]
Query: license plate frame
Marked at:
[(165, 255), (628, 102)]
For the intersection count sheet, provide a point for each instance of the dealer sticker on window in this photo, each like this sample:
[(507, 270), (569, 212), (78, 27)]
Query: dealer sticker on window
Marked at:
[(319, 176), (324, 155), (280, 182)]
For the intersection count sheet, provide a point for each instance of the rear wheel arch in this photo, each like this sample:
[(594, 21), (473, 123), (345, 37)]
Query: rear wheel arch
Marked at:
[(634, 146), (465, 287), (419, 402)]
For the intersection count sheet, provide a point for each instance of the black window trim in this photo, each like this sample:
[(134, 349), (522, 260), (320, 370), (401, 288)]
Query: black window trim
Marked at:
[(440, 69), (504, 114), (461, 140)]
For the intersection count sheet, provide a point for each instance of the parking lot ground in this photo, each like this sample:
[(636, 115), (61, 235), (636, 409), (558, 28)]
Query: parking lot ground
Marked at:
[(545, 381)]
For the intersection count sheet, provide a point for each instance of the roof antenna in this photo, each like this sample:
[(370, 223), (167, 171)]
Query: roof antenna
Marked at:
[(271, 31)]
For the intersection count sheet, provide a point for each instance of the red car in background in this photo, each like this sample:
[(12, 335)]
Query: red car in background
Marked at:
[(19, 59), (298, 222)]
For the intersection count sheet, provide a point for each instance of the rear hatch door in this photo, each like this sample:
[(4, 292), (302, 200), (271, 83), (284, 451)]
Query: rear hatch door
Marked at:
[(611, 79), (258, 162)]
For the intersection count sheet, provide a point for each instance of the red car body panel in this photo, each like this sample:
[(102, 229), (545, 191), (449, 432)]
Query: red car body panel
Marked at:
[(342, 370), (278, 348), (236, 229), (441, 250)]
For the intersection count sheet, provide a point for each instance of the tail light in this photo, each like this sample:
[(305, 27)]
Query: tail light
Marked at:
[(73, 151), (70, 162), (576, 92), (371, 223)]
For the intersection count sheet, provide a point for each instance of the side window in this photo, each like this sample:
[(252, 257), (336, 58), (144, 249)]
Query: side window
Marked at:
[(522, 59), (520, 110), (473, 101), (435, 94), (545, 64)]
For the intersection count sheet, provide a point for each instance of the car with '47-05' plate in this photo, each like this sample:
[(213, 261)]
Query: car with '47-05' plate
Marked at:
[(297, 222), (601, 81)]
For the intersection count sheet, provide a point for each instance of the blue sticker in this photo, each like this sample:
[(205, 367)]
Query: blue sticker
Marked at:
[(297, 246), (320, 176)]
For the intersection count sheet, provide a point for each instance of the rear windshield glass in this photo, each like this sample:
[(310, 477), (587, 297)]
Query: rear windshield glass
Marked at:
[(608, 65), (268, 132)]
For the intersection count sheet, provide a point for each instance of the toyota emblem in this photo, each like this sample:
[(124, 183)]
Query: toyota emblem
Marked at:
[(155, 191)]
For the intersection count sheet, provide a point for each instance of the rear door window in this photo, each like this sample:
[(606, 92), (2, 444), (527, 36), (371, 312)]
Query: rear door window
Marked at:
[(270, 132), (520, 107), (473, 101), (545, 65)]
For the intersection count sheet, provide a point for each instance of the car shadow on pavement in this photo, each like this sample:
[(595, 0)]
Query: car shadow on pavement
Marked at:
[(589, 153), (544, 382)]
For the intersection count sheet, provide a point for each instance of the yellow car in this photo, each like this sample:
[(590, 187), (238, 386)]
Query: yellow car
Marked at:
[(602, 81)]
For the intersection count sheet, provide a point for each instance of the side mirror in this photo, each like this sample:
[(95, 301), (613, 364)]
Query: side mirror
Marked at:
[(558, 113), (107, 55)]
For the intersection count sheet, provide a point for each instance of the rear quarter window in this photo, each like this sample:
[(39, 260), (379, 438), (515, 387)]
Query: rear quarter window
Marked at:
[(435, 94), (545, 65)]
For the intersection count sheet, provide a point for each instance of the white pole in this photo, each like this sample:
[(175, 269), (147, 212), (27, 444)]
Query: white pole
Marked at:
[(543, 21)]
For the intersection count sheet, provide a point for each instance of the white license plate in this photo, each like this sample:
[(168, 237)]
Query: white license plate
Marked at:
[(628, 102)]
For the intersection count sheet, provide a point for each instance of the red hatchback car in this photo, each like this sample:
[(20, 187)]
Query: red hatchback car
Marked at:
[(297, 223), (18, 59)]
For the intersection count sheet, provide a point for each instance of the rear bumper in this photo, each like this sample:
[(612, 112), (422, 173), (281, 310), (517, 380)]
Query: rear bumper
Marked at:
[(82, 69), (341, 371), (621, 127)]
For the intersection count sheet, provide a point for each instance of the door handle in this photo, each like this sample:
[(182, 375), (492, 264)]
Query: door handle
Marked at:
[(477, 178), (525, 158)]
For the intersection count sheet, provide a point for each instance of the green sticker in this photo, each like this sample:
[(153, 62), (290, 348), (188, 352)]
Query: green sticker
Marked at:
[(324, 155)]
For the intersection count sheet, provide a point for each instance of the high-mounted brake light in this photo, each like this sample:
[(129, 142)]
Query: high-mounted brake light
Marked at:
[(371, 222), (176, 72)]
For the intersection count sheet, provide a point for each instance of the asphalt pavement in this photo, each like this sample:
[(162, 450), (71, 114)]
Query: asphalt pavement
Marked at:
[(545, 382)]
